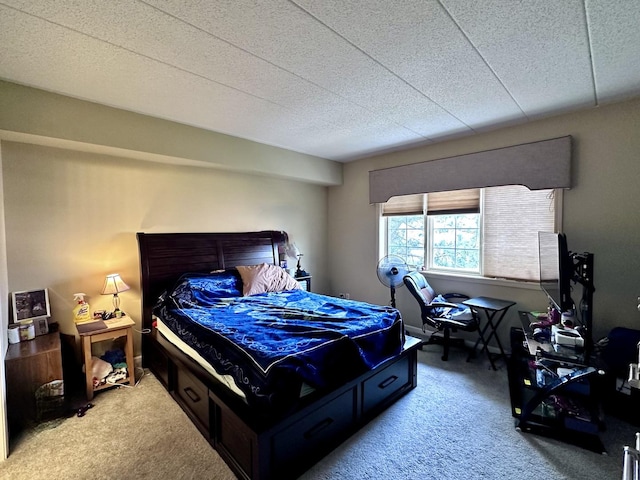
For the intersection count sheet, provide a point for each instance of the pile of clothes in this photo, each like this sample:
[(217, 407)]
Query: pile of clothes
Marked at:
[(109, 368)]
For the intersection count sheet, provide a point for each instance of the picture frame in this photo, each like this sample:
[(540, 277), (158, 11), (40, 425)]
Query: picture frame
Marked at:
[(30, 304), (41, 326)]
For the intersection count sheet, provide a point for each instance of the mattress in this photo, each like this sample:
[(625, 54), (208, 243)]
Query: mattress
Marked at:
[(224, 380), (175, 340)]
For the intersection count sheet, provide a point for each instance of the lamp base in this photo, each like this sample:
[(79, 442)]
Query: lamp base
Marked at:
[(115, 314)]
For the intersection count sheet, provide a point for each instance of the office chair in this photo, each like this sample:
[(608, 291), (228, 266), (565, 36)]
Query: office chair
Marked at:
[(439, 312)]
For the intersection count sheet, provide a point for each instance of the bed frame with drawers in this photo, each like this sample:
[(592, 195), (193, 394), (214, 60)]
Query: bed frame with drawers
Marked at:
[(254, 445)]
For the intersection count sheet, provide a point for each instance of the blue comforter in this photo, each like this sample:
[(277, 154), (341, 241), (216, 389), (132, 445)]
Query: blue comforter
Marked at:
[(271, 343)]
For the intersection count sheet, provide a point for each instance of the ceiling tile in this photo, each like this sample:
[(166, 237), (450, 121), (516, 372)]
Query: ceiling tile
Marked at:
[(538, 49), (418, 41), (615, 38), (335, 78), (284, 35)]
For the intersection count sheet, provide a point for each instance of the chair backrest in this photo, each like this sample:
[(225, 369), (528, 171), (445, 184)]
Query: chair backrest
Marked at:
[(419, 288)]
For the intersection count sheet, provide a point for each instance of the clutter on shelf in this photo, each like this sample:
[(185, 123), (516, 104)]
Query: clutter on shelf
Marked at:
[(111, 368)]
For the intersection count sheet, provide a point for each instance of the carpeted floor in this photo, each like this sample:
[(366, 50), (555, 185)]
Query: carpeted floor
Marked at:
[(456, 424)]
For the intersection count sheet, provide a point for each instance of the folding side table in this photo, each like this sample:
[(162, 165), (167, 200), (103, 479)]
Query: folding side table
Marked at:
[(491, 308)]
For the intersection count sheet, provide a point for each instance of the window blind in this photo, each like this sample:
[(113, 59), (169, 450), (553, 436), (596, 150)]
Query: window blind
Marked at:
[(404, 205), (438, 203), (457, 201), (513, 216)]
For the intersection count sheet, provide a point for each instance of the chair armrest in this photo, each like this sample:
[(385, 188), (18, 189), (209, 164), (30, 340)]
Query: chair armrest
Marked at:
[(442, 304), (456, 295)]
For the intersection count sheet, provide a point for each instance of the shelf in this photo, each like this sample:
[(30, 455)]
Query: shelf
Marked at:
[(104, 386), (563, 406)]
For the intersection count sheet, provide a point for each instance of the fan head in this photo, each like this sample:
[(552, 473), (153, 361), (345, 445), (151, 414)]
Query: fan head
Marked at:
[(391, 269)]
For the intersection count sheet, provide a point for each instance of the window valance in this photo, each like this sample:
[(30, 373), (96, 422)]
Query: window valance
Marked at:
[(537, 165)]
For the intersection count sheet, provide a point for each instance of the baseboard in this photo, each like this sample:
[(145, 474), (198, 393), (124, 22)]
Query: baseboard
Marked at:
[(417, 332)]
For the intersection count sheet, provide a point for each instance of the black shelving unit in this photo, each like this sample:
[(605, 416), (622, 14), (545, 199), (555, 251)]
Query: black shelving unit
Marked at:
[(564, 406)]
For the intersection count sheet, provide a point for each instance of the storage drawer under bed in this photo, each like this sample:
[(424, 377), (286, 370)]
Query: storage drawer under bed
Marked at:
[(379, 388), (193, 395), (317, 432)]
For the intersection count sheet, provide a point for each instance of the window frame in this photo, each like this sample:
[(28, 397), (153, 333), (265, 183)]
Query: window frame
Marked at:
[(429, 248), (382, 247)]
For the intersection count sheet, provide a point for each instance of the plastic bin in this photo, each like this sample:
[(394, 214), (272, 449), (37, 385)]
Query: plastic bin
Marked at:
[(50, 400)]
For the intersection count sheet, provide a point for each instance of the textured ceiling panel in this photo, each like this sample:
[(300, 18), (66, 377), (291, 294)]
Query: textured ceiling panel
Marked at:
[(615, 38), (98, 71), (418, 41), (283, 34), (157, 36), (339, 79), (538, 49)]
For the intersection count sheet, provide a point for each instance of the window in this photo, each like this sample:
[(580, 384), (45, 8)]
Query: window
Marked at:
[(455, 242), (491, 232), (406, 238)]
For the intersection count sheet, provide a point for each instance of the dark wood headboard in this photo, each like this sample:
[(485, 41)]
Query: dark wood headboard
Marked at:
[(166, 256)]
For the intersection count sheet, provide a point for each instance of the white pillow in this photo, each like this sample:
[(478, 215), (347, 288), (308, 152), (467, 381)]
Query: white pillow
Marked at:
[(265, 278)]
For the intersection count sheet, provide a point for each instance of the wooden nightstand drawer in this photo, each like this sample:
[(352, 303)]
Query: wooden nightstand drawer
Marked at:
[(193, 395)]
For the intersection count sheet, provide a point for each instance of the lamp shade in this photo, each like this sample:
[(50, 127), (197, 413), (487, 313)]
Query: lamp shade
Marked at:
[(291, 250), (114, 285)]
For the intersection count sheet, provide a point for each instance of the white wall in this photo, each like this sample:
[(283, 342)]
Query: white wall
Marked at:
[(4, 316), (601, 215), (72, 218)]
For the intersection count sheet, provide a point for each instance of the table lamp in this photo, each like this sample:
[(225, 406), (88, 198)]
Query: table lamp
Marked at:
[(299, 271), (112, 286)]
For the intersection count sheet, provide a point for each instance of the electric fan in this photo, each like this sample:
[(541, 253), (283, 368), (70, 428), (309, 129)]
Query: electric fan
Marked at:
[(391, 269)]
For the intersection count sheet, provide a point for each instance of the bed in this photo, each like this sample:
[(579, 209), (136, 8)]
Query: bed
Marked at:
[(276, 395)]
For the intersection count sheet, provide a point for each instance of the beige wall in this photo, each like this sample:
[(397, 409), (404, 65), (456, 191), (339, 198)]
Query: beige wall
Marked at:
[(84, 178), (71, 218), (34, 116), (4, 320), (601, 215)]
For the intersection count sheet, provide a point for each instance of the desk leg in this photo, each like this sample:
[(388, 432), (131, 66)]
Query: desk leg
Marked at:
[(88, 368), (493, 332), (481, 332), (129, 355)]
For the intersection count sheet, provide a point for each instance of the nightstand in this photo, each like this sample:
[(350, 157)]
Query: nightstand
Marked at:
[(305, 282), (29, 365), (116, 328)]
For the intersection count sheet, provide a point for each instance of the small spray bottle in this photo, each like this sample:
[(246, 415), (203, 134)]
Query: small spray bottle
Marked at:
[(81, 312)]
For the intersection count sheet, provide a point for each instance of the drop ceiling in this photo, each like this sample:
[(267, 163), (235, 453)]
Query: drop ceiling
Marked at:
[(338, 79)]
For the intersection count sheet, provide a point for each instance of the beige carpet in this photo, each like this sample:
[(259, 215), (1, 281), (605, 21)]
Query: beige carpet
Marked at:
[(130, 433), (456, 424)]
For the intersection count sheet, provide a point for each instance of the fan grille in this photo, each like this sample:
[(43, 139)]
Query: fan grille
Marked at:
[(391, 269)]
